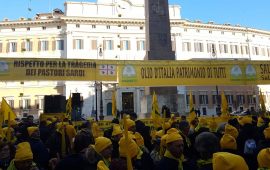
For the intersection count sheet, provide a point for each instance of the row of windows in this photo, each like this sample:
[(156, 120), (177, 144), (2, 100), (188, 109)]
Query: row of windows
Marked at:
[(221, 32), (78, 44), (27, 45), (240, 99), (26, 103), (225, 48)]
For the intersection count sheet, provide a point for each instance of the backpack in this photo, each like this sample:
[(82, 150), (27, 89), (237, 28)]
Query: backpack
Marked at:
[(250, 146)]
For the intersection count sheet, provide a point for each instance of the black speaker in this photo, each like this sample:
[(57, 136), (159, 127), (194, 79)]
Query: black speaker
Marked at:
[(76, 100), (54, 104), (59, 104), (48, 100)]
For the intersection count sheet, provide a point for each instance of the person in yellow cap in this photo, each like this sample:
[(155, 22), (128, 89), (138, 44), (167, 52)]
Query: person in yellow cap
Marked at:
[(228, 144), (231, 130), (131, 125), (245, 120), (260, 122), (71, 133), (95, 129), (203, 124), (103, 146), (155, 153), (13, 138), (228, 161), (117, 133), (263, 159), (133, 151), (40, 152), (58, 143), (23, 159), (33, 130), (174, 150)]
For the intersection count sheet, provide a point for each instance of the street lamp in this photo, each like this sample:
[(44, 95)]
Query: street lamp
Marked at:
[(99, 51), (98, 87), (101, 116)]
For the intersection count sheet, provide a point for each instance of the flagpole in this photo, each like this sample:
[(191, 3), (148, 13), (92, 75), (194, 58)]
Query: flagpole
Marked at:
[(129, 163), (8, 130)]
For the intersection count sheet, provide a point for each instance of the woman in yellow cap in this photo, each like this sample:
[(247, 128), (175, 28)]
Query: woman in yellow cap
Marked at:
[(103, 146), (23, 158)]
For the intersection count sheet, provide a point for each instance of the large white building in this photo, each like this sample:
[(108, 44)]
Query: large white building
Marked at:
[(115, 30)]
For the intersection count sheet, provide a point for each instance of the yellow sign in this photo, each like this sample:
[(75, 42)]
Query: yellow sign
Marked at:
[(194, 73), (138, 73), (57, 69)]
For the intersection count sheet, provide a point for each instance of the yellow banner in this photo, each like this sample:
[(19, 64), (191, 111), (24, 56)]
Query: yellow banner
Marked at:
[(203, 72), (138, 73), (57, 69)]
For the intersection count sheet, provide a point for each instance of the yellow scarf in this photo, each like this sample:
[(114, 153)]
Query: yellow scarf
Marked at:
[(179, 160), (202, 162)]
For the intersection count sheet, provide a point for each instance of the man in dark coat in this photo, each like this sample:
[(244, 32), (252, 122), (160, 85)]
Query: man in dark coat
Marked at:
[(173, 153)]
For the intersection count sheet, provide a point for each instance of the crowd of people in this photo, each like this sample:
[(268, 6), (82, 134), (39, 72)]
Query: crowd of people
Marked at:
[(177, 144)]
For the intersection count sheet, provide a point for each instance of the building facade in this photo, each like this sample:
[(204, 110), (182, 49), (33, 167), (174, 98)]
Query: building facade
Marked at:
[(114, 30)]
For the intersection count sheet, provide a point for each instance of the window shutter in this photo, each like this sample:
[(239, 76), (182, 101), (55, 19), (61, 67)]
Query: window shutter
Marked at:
[(54, 45), (173, 45), (121, 45), (104, 45), (39, 45), (16, 45), (7, 47), (23, 48), (82, 44), (112, 44), (1, 48), (74, 44), (94, 44), (138, 45), (31, 46), (128, 44)]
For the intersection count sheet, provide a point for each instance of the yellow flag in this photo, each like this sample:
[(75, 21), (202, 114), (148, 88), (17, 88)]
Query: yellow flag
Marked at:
[(69, 105), (155, 111), (262, 104), (6, 110), (114, 108), (224, 106), (192, 113), (129, 163)]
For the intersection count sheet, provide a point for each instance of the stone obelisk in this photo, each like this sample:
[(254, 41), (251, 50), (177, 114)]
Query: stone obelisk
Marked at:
[(158, 44), (157, 29)]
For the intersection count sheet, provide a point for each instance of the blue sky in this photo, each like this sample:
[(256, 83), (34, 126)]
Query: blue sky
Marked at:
[(248, 13)]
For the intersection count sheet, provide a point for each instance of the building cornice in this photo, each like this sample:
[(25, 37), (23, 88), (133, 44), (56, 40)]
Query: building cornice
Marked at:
[(99, 20), (28, 23), (129, 21), (218, 27)]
